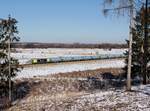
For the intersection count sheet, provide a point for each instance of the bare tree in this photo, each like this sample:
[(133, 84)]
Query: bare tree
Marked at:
[(122, 7)]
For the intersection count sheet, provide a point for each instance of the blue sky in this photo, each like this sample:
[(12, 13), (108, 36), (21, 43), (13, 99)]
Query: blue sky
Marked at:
[(65, 21)]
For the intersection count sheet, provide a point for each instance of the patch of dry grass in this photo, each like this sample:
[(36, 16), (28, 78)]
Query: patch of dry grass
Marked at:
[(60, 92), (90, 73)]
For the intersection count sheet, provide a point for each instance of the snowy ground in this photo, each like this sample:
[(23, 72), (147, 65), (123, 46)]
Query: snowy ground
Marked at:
[(62, 95), (25, 55), (120, 100), (39, 70)]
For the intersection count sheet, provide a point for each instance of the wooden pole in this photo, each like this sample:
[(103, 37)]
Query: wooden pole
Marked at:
[(9, 58), (9, 71)]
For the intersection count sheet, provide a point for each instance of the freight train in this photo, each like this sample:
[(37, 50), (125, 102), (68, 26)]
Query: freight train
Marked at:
[(72, 58)]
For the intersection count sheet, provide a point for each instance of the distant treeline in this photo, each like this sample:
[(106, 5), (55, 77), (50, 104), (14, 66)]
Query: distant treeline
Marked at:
[(66, 45)]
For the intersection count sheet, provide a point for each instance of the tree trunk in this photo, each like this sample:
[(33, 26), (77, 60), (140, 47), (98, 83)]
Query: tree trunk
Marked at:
[(145, 43), (130, 50)]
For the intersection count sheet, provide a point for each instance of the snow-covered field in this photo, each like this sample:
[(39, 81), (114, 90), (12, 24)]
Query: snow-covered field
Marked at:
[(40, 70), (25, 55)]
